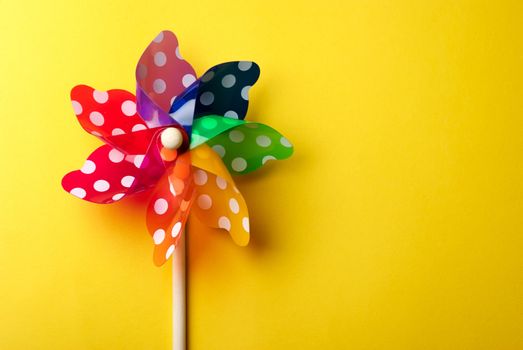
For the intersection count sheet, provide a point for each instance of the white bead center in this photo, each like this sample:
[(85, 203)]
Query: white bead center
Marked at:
[(171, 138)]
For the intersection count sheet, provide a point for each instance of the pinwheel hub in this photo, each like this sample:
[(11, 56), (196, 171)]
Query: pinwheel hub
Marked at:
[(171, 138)]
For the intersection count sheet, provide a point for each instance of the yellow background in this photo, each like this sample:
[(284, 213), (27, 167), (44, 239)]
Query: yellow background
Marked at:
[(397, 224)]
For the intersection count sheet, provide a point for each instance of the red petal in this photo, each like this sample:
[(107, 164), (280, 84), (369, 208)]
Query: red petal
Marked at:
[(106, 113), (107, 176)]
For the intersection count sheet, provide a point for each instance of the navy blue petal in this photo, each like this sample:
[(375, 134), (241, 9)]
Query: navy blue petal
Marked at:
[(223, 89)]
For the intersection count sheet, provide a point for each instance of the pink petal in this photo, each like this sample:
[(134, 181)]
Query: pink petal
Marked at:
[(161, 71)]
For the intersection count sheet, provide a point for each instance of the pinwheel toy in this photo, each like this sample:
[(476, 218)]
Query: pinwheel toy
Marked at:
[(182, 138)]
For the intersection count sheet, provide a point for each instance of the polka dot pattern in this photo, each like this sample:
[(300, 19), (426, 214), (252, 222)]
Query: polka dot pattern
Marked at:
[(169, 207), (101, 186), (161, 72), (228, 84), (245, 147), (105, 113), (239, 164), (127, 164), (236, 136), (96, 118), (220, 206), (200, 177), (204, 201), (106, 176), (78, 192), (89, 167), (100, 96), (158, 236), (160, 206)]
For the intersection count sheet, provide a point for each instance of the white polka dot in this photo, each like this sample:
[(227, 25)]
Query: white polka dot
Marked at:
[(204, 201), (239, 164), (158, 38), (234, 206), (160, 206), (285, 142), (101, 185), (221, 182), (172, 100), (219, 149), (158, 236), (231, 114), (138, 160), (77, 107), (171, 188), (169, 252), (207, 76), (96, 118), (245, 224), (129, 108), (159, 86), (138, 127), (200, 177), (100, 96), (267, 158), (177, 53), (127, 181), (224, 222), (236, 136), (244, 65), (89, 167), (78, 192), (188, 79), (118, 196), (160, 59), (117, 131), (245, 92), (263, 141), (116, 156), (176, 229), (228, 81), (207, 98)]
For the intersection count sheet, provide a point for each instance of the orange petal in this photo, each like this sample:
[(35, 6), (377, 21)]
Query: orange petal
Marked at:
[(168, 210), (218, 203)]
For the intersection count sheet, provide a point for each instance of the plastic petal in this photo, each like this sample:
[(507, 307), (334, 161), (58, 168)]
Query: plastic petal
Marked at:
[(169, 207), (218, 203), (207, 127), (182, 108), (106, 113), (224, 89), (161, 75), (247, 147), (107, 176)]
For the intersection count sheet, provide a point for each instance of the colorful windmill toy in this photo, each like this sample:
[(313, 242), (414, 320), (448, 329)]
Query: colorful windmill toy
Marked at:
[(181, 137)]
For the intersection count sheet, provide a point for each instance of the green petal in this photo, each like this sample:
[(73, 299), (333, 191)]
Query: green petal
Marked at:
[(207, 127), (248, 146)]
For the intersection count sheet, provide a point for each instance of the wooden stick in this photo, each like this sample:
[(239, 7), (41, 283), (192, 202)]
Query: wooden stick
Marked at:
[(179, 296)]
